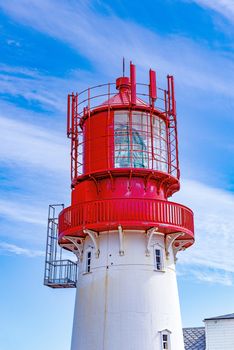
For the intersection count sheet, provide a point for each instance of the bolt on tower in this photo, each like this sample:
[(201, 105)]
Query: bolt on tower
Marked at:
[(120, 225)]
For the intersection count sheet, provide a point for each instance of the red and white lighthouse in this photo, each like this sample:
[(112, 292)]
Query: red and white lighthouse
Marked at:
[(121, 226)]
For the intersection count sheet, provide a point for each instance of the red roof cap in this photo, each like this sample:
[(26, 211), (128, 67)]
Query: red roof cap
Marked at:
[(122, 84)]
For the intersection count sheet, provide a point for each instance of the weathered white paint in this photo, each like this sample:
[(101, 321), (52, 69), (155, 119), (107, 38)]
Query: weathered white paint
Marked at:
[(219, 334), (123, 303)]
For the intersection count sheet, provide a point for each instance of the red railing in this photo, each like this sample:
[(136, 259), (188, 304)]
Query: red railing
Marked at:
[(100, 96), (103, 214)]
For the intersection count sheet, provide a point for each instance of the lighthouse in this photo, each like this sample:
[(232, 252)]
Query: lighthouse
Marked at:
[(120, 225)]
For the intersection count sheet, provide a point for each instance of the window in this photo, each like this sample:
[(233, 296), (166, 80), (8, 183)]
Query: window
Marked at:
[(140, 141), (160, 152), (88, 261), (165, 340), (158, 260), (122, 146)]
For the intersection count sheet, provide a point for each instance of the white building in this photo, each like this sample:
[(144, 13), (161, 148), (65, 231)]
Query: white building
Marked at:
[(218, 334)]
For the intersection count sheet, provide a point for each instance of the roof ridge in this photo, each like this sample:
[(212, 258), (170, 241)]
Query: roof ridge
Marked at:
[(227, 316), (194, 327)]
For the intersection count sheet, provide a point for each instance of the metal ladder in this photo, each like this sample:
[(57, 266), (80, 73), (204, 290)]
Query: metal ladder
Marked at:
[(59, 272)]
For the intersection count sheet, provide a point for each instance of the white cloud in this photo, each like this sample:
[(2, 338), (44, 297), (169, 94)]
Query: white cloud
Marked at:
[(26, 144), (12, 42), (19, 211), (15, 249), (104, 39), (214, 277), (224, 7), (36, 89), (207, 275), (214, 245), (50, 92)]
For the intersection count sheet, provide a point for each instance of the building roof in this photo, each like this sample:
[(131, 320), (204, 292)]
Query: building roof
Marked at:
[(123, 98), (194, 338), (223, 317)]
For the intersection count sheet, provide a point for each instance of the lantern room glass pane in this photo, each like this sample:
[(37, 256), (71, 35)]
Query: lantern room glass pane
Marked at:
[(141, 142), (140, 139), (122, 140), (160, 152)]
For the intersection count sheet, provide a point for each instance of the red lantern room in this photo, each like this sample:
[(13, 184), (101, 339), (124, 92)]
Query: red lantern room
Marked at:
[(124, 160)]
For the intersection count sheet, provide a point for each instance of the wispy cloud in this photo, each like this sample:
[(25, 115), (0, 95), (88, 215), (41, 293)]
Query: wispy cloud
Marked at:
[(12, 42), (37, 90), (224, 7), (18, 211), (214, 245), (30, 145), (6, 248), (85, 30), (207, 275), (34, 87)]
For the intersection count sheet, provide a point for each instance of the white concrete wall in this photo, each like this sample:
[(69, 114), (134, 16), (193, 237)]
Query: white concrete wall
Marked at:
[(219, 334), (123, 303)]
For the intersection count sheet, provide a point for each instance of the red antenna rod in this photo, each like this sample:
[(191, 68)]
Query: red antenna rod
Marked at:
[(171, 95), (68, 115), (133, 83), (152, 87)]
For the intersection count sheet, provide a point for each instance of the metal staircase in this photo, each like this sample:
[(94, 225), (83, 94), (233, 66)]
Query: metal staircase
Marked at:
[(59, 272)]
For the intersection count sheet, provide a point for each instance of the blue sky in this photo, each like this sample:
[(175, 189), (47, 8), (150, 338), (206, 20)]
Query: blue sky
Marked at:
[(49, 48)]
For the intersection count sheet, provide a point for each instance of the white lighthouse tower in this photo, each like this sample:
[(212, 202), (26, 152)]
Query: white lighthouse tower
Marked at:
[(121, 226)]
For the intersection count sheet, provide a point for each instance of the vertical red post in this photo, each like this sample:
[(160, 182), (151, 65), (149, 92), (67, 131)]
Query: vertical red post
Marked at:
[(168, 94), (133, 83), (68, 114), (168, 132), (108, 125), (152, 87), (76, 137), (72, 134), (171, 95), (73, 117), (89, 133)]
